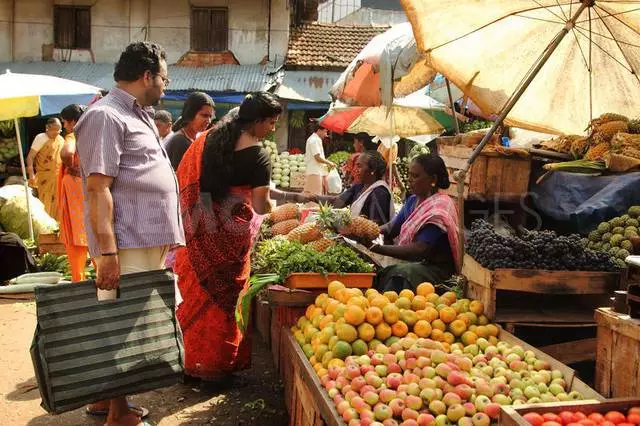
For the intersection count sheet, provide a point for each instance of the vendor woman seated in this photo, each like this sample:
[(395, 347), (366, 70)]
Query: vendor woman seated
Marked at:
[(369, 196), (425, 231)]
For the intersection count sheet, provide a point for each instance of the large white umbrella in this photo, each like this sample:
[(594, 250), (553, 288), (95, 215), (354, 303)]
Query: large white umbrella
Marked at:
[(28, 95)]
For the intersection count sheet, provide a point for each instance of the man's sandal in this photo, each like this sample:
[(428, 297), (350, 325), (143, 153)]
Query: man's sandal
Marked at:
[(139, 411)]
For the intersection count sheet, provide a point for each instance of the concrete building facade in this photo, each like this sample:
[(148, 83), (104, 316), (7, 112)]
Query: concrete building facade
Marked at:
[(257, 29)]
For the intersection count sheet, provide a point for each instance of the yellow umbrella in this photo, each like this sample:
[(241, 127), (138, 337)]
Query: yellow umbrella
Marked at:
[(563, 61)]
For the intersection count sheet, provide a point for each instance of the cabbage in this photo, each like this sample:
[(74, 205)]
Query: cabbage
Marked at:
[(14, 217)]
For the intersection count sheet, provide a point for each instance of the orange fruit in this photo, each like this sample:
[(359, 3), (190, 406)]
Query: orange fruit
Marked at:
[(464, 318), (366, 332), (359, 301), (346, 332), (418, 303), (326, 320), (391, 296), (476, 307), (457, 327), (406, 293), (438, 325), (437, 335), (449, 338), (373, 315), (481, 331), (399, 329), (493, 330), (354, 315), (403, 302), (469, 338), (422, 328), (391, 313), (332, 304), (309, 312), (411, 335), (340, 294), (433, 298), (371, 293), (483, 320), (450, 295), (473, 318), (379, 301), (339, 312), (322, 299), (333, 287), (447, 314), (383, 331), (432, 314), (408, 316), (424, 289), (493, 340)]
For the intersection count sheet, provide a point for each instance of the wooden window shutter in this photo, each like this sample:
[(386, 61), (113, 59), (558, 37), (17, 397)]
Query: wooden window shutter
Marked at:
[(209, 29), (83, 28), (72, 27)]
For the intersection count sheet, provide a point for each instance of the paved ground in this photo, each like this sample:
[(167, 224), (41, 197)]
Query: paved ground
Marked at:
[(261, 402)]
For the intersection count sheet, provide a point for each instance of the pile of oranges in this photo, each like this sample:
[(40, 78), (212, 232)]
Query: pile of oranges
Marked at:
[(346, 321)]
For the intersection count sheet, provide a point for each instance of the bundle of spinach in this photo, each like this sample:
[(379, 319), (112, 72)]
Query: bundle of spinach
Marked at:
[(283, 257)]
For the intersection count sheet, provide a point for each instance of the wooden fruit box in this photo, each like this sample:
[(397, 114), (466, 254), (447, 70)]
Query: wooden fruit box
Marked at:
[(536, 296), (318, 281), (309, 404), (617, 359), (512, 416), (50, 243), (491, 175)]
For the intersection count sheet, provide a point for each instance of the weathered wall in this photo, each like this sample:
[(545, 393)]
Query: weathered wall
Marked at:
[(115, 23)]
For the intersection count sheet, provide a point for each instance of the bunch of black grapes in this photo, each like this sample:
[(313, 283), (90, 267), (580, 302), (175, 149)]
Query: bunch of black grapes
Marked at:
[(544, 250)]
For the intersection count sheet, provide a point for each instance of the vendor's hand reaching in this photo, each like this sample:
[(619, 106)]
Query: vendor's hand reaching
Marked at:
[(108, 273)]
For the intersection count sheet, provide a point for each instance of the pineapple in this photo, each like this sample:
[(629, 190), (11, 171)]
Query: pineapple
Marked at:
[(363, 229), (579, 147), (605, 118), (634, 126), (284, 227), (284, 212), (305, 233), (606, 131), (321, 245), (598, 152)]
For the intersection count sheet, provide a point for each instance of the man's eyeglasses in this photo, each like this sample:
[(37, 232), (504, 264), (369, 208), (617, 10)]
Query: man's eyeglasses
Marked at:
[(165, 80)]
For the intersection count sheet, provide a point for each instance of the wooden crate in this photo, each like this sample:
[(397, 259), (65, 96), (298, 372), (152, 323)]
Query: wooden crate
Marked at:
[(319, 281), (50, 243), (491, 175), (522, 295), (512, 416), (617, 360), (309, 404), (263, 319)]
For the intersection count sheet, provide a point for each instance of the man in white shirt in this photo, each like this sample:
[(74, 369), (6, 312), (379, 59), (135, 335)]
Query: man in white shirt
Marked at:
[(317, 166), (163, 121)]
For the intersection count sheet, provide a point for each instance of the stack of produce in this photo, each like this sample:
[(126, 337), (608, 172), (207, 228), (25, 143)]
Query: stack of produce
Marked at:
[(403, 170), (575, 418), (614, 237), (282, 256), (283, 164), (416, 150), (339, 158), (543, 250), (418, 359), (475, 125), (14, 214)]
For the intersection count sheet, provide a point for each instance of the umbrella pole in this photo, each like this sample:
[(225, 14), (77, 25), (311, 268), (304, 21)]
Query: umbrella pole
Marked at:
[(460, 174), (453, 108), (24, 176)]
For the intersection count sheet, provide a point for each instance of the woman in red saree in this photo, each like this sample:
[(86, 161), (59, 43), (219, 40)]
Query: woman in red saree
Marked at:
[(224, 182)]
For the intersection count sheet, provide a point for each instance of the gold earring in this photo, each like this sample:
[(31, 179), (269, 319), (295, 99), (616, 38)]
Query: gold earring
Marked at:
[(433, 185)]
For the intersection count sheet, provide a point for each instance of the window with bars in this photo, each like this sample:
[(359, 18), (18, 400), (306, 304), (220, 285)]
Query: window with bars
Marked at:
[(72, 27), (209, 29)]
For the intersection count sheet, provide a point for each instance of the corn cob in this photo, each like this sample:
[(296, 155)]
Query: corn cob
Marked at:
[(606, 131), (598, 152), (284, 227)]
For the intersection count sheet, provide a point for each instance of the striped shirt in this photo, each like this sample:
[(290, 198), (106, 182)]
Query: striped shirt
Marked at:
[(118, 138)]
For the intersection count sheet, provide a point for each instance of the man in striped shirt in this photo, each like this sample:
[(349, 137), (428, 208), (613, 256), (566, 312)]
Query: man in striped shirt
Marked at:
[(132, 214)]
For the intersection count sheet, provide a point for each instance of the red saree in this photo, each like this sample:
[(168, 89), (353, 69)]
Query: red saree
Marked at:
[(212, 270)]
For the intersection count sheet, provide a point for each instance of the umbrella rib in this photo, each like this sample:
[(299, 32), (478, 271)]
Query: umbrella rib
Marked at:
[(614, 15), (566, 18), (610, 55), (491, 23), (540, 19), (624, 55), (573, 31), (608, 38), (549, 10)]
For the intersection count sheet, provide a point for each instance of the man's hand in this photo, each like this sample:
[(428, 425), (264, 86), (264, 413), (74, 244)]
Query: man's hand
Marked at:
[(108, 273), (331, 165)]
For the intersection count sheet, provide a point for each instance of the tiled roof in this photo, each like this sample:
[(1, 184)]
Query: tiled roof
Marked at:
[(218, 78), (328, 45)]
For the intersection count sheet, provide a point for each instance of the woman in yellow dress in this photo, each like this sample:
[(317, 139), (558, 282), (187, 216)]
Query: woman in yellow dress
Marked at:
[(71, 198), (43, 165)]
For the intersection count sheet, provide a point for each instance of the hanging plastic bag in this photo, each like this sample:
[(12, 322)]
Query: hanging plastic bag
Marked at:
[(334, 182)]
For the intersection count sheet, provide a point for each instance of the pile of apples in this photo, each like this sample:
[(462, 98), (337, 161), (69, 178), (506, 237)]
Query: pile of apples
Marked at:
[(578, 418), (427, 365)]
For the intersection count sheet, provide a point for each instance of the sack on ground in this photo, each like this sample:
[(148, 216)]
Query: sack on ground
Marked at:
[(85, 350)]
